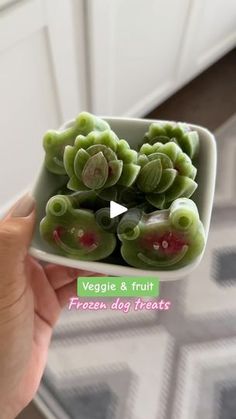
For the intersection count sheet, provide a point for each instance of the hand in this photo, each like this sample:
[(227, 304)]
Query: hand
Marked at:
[(31, 299)]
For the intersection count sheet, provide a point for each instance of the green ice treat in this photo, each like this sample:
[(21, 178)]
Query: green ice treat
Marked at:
[(100, 160), (164, 240), (87, 200), (105, 221), (74, 232), (54, 142), (127, 196), (166, 174), (179, 133)]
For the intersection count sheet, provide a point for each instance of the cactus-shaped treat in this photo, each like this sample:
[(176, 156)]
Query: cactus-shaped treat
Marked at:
[(74, 232), (100, 160), (166, 174), (179, 133), (54, 142), (167, 239)]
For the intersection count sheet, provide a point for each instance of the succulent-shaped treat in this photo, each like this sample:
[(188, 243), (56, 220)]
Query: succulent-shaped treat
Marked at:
[(166, 174), (179, 133), (167, 239), (54, 142), (100, 160), (74, 232)]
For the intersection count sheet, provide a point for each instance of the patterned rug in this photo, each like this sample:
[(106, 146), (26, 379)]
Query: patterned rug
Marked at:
[(176, 364)]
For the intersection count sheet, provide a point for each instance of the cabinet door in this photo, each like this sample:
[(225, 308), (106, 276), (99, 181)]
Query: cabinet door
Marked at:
[(210, 33), (134, 52), (39, 84)]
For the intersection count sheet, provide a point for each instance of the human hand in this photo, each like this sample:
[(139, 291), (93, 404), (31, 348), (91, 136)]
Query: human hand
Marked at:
[(31, 299)]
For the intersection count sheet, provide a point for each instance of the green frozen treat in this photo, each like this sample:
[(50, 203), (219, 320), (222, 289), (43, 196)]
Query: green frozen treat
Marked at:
[(105, 221), (166, 174), (178, 133), (87, 200), (100, 160), (74, 233), (161, 229), (54, 142), (164, 240)]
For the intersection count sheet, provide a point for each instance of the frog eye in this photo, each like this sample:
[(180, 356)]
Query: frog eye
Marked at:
[(184, 215), (58, 205), (129, 233), (128, 228), (105, 222)]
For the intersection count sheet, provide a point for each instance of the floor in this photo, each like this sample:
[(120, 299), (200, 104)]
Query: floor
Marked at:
[(208, 100)]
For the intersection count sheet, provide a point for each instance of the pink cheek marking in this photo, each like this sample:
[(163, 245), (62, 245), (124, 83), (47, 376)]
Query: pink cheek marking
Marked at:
[(150, 240), (172, 244), (168, 244), (88, 240), (57, 233)]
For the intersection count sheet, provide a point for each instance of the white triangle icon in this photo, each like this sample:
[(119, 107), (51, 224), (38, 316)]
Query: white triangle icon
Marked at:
[(116, 209)]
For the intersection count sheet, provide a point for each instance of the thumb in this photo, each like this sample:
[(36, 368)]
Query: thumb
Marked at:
[(16, 231)]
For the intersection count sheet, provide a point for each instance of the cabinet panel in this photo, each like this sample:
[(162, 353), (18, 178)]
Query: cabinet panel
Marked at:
[(28, 107), (141, 51), (210, 33), (218, 28), (134, 52), (39, 84)]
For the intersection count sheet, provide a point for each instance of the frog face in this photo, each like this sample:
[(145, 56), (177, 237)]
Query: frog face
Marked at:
[(74, 232), (165, 239)]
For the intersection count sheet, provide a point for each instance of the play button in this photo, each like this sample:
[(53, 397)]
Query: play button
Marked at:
[(116, 209)]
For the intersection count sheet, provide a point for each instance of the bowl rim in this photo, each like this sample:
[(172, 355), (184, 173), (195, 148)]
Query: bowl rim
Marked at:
[(120, 270)]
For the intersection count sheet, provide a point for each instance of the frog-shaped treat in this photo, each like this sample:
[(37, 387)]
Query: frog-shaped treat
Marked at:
[(166, 239), (75, 232)]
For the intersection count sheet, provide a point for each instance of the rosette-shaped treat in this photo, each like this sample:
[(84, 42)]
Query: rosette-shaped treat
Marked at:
[(166, 174), (54, 142), (167, 239), (74, 232), (100, 160), (179, 133)]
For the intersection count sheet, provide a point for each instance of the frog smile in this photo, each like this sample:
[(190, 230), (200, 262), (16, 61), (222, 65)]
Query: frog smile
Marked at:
[(164, 263), (71, 250)]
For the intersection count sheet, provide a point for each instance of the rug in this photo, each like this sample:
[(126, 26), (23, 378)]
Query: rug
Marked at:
[(176, 364)]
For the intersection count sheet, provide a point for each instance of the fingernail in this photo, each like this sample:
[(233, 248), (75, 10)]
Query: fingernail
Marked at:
[(23, 207)]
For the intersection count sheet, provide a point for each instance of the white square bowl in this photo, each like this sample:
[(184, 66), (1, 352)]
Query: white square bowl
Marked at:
[(132, 130)]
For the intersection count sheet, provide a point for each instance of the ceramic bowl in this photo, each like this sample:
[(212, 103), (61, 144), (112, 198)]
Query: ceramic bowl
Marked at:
[(133, 131)]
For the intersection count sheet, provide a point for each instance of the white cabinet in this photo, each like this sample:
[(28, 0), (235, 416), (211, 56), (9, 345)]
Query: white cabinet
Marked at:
[(142, 51), (39, 84), (120, 57), (134, 49), (210, 33)]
